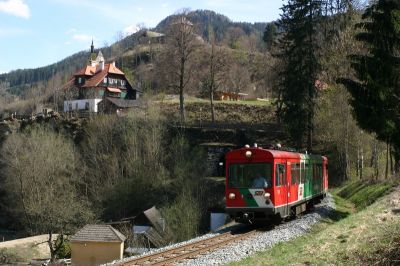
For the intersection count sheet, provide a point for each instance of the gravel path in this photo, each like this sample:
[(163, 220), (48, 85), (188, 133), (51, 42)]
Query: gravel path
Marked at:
[(260, 242)]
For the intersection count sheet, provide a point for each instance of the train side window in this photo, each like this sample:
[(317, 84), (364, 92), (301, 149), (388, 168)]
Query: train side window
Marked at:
[(280, 175), (302, 173)]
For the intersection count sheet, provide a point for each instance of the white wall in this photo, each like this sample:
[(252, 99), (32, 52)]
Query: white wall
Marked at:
[(77, 105)]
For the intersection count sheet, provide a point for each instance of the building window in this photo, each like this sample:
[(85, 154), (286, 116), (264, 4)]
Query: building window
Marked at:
[(87, 106), (113, 81), (105, 81), (122, 82)]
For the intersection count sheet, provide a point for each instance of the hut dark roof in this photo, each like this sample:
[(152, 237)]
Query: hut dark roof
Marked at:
[(98, 233)]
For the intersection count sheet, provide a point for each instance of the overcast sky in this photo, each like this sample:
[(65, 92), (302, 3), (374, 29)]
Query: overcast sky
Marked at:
[(36, 33)]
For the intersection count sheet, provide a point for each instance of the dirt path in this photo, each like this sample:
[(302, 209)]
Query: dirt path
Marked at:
[(35, 242)]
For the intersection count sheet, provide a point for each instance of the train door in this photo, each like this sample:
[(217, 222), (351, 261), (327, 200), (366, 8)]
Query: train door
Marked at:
[(294, 181), (281, 189), (325, 175), (288, 186), (302, 179)]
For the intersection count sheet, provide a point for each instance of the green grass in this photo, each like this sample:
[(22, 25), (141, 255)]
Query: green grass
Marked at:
[(363, 194), (247, 102), (191, 99), (353, 234)]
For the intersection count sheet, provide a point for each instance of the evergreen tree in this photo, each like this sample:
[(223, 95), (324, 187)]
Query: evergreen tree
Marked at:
[(269, 35), (375, 88), (299, 48)]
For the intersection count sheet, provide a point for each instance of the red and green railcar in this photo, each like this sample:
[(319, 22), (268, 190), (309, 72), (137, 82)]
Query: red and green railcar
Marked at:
[(262, 183)]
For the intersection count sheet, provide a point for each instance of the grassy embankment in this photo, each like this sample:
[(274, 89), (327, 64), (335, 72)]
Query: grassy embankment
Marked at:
[(197, 111), (363, 230), (190, 99)]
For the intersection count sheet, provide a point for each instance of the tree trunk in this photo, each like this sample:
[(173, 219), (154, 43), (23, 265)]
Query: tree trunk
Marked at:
[(376, 160), (212, 83), (54, 246), (358, 161), (181, 99), (51, 247), (346, 144), (361, 163), (391, 160), (387, 159), (212, 104), (310, 133)]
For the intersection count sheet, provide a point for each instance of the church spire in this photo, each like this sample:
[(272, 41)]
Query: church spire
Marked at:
[(92, 47)]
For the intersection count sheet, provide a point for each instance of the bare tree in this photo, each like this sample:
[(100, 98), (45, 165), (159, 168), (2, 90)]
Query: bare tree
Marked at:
[(233, 36), (181, 43), (40, 178), (217, 62), (239, 78)]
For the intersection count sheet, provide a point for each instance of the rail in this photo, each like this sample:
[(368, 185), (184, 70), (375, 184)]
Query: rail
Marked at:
[(188, 251)]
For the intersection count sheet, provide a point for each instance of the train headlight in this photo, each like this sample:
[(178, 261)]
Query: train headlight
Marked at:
[(267, 195), (231, 196), (248, 154)]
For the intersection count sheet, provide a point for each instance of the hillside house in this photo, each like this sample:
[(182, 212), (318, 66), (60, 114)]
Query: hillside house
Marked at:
[(95, 82), (152, 37), (230, 96)]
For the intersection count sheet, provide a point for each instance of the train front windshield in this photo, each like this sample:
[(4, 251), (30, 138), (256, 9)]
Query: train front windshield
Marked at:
[(255, 175)]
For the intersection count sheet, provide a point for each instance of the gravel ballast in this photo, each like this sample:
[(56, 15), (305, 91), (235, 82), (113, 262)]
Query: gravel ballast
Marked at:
[(265, 240), (259, 242)]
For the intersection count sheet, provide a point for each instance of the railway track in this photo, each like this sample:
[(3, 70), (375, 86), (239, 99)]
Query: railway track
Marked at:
[(189, 251)]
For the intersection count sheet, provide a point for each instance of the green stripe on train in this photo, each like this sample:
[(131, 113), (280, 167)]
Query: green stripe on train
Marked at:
[(311, 187), (250, 201)]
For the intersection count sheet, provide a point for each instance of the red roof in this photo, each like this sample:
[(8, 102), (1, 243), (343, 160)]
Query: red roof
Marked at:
[(113, 69), (87, 71), (99, 76), (113, 89), (96, 79)]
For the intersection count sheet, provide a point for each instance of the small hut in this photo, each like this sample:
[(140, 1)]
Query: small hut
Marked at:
[(96, 244)]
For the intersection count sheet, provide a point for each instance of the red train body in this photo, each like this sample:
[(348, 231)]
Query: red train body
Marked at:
[(262, 183)]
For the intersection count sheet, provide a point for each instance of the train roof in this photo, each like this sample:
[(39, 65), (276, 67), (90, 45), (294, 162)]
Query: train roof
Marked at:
[(273, 154)]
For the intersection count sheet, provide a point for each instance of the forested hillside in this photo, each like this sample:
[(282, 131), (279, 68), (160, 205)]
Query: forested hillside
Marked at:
[(18, 81), (207, 20)]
